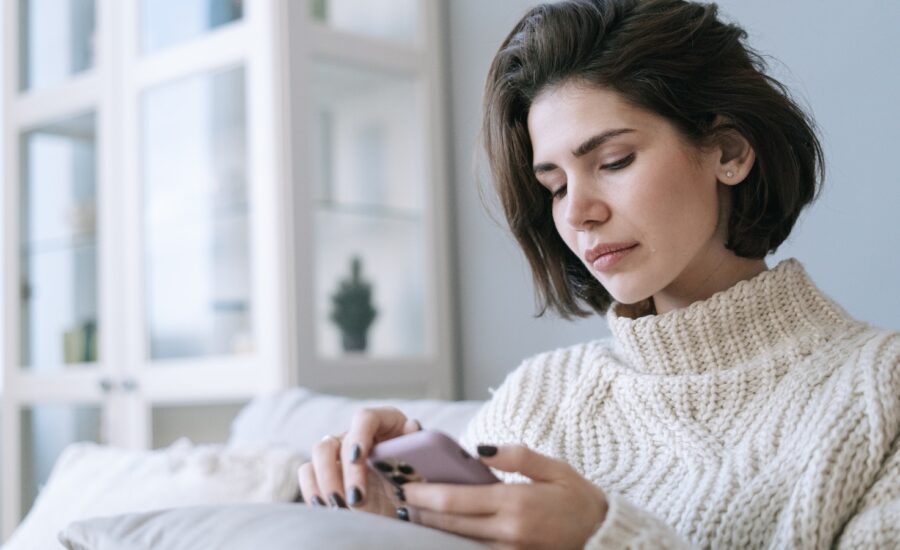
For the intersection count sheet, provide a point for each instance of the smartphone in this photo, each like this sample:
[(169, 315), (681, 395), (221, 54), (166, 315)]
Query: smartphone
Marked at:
[(427, 455)]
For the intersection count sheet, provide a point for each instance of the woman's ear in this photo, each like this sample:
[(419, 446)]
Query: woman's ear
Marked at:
[(737, 155)]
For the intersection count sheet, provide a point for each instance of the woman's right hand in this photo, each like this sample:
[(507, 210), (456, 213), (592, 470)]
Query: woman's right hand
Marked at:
[(337, 474)]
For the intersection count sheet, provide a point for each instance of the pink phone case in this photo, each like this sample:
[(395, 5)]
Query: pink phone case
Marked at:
[(427, 455)]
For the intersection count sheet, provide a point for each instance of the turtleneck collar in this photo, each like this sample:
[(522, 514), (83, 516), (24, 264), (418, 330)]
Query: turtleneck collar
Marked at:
[(778, 307)]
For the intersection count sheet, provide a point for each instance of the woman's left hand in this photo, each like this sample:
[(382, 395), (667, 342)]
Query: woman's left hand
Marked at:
[(559, 509)]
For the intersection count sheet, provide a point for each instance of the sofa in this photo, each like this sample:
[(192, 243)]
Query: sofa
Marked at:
[(235, 495)]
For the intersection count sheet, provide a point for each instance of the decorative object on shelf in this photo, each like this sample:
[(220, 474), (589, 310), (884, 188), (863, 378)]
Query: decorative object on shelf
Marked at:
[(232, 324), (353, 312), (82, 218), (320, 10), (80, 343)]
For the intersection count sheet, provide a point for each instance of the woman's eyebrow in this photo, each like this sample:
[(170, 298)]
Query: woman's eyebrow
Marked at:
[(586, 147), (596, 141)]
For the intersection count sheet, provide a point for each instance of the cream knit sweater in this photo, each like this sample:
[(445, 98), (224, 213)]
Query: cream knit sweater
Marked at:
[(762, 417)]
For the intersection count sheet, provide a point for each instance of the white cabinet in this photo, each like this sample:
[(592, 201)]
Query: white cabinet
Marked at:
[(211, 199)]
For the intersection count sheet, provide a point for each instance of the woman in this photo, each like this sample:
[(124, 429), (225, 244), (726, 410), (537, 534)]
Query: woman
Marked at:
[(647, 165)]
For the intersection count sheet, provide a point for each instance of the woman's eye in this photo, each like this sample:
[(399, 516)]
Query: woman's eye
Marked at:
[(619, 164), (560, 193)]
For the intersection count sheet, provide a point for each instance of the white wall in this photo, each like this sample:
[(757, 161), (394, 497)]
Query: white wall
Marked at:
[(2, 207), (838, 57)]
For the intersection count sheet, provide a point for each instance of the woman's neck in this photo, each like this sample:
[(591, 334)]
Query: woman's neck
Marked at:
[(701, 280)]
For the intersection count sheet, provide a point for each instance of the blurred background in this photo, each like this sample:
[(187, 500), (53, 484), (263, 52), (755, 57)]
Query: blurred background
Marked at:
[(208, 200)]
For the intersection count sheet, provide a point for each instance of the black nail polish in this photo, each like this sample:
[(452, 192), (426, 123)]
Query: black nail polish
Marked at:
[(317, 501), (401, 494), (337, 501), (487, 450), (355, 497), (403, 513), (399, 480), (355, 453)]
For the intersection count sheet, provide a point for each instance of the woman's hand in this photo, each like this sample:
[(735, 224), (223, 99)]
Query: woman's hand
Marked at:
[(559, 509), (337, 474)]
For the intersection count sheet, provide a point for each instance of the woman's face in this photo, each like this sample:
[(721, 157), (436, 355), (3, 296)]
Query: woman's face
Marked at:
[(623, 176)]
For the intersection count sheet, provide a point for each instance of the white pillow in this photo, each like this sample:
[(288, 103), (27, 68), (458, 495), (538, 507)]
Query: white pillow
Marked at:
[(258, 527), (90, 480), (298, 418)]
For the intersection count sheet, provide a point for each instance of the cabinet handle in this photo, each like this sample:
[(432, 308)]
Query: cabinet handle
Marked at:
[(106, 385), (129, 384)]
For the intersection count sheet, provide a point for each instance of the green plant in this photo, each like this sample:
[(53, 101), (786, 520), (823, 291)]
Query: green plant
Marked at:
[(353, 311)]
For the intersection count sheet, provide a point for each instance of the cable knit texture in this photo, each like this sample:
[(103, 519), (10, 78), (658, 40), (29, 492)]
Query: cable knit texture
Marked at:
[(762, 417)]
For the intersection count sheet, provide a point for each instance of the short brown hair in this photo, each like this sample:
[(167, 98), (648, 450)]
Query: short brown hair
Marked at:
[(670, 57)]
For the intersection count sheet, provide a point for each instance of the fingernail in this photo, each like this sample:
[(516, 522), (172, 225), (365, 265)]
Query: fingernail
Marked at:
[(487, 450), (355, 497), (403, 513), (355, 452), (400, 494), (337, 501), (399, 480), (317, 501), (419, 424)]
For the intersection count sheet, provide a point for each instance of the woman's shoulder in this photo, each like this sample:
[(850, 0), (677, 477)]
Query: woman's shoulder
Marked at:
[(877, 357), (883, 345), (868, 350)]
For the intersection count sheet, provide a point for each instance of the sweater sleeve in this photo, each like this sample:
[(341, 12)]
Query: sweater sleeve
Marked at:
[(628, 526), (876, 523)]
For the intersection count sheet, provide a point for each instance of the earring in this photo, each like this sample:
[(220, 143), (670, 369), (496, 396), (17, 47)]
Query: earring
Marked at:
[(729, 174)]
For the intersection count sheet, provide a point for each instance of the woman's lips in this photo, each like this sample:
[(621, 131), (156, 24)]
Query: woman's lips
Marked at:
[(606, 261)]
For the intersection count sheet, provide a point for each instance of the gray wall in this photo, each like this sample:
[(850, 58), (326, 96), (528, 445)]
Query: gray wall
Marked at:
[(838, 57)]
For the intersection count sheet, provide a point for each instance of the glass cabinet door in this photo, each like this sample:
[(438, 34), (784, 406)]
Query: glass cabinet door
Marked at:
[(58, 253), (44, 25), (45, 430), (392, 20), (369, 230), (166, 23), (202, 423), (196, 217)]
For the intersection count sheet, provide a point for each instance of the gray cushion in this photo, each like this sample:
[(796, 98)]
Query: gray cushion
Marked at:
[(257, 527), (298, 418)]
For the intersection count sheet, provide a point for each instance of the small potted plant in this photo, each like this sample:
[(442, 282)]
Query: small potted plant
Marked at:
[(353, 312)]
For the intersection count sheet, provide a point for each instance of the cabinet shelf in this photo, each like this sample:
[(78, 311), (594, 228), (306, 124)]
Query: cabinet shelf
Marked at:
[(59, 244), (370, 210)]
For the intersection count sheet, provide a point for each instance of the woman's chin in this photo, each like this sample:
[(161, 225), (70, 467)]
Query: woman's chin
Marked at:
[(628, 296)]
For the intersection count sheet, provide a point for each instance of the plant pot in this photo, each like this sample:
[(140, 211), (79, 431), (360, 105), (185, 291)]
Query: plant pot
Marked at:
[(354, 341)]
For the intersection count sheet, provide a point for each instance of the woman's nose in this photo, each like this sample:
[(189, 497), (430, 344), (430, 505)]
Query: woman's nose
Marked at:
[(585, 205)]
